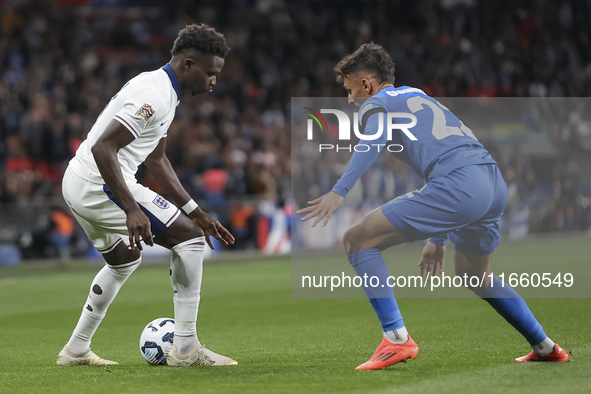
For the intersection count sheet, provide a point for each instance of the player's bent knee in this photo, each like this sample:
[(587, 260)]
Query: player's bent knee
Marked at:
[(121, 255), (349, 240), (355, 238)]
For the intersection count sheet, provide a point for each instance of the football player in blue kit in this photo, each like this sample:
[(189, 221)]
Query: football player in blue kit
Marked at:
[(463, 200)]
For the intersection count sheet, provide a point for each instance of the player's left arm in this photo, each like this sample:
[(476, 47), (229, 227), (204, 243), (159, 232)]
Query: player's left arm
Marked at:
[(433, 257), (161, 169)]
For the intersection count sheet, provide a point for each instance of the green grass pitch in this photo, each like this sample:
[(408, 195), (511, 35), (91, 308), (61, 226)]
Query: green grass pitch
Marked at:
[(283, 345)]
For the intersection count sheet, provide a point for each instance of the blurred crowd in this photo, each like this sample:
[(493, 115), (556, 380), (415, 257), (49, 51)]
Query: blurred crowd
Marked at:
[(60, 63), (555, 201)]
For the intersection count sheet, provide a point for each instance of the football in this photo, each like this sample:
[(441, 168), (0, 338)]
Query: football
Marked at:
[(156, 340)]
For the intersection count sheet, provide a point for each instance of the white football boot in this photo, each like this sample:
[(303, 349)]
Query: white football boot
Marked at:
[(199, 356), (66, 357)]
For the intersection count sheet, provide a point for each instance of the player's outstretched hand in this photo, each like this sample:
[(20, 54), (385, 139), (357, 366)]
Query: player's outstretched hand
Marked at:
[(211, 227), (322, 207), (138, 225), (433, 257)]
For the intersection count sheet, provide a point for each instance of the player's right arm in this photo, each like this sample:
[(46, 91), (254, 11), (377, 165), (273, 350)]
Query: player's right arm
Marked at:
[(161, 169), (326, 205), (115, 137)]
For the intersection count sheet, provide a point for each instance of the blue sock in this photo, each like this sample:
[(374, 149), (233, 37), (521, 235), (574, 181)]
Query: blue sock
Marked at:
[(370, 262), (513, 308)]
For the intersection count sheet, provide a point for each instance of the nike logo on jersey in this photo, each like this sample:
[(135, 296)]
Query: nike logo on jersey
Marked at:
[(162, 124)]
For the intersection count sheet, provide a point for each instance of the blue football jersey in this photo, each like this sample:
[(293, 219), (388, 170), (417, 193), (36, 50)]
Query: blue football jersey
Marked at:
[(441, 144)]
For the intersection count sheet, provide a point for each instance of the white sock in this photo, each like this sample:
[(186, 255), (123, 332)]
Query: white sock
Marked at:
[(185, 336), (399, 335), (544, 348), (186, 272), (104, 288)]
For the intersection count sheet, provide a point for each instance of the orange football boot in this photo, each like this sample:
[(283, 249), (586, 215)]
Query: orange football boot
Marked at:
[(389, 353), (558, 355)]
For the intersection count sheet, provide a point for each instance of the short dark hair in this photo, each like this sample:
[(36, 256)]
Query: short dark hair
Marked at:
[(369, 57), (200, 38)]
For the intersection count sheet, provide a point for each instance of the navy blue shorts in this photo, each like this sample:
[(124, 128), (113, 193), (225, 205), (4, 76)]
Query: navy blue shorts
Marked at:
[(466, 204)]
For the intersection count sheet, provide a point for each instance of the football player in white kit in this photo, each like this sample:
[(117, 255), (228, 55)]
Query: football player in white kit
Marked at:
[(116, 212)]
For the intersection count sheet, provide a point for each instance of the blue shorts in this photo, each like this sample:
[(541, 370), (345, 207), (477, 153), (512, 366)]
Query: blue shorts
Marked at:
[(466, 204)]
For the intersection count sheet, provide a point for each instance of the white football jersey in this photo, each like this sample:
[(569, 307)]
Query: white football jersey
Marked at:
[(145, 106)]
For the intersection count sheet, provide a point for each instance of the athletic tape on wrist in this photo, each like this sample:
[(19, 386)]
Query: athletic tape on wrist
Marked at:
[(189, 207)]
